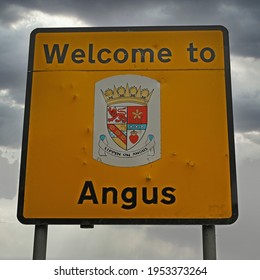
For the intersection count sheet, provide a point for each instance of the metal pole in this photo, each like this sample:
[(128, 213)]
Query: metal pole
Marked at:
[(209, 242), (40, 242)]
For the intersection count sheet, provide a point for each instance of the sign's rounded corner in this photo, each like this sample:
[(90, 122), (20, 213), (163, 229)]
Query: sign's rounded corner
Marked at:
[(233, 218), (223, 29), (35, 31), (22, 219)]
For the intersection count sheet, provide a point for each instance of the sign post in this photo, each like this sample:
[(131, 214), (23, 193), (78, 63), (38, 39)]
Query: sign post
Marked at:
[(128, 125), (209, 242), (40, 242)]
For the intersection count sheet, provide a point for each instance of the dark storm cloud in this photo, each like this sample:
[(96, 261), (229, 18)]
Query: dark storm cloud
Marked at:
[(247, 113), (240, 17), (13, 60), (246, 94)]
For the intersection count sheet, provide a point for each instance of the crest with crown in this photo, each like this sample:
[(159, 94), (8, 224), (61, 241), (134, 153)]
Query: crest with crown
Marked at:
[(127, 94)]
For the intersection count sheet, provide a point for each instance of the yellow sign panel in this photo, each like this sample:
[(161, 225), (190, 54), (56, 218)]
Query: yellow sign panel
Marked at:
[(128, 125)]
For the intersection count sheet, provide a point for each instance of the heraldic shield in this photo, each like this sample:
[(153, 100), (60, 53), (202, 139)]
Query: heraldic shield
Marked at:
[(126, 125), (127, 121)]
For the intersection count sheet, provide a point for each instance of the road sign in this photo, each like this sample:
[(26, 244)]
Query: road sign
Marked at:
[(128, 125)]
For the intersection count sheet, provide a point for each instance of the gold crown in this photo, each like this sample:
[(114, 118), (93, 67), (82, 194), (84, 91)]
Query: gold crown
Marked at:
[(127, 94)]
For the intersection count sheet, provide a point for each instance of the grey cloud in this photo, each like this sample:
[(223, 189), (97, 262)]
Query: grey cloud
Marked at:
[(9, 178), (247, 114), (11, 119), (240, 17), (247, 117), (13, 61), (190, 235), (254, 137), (122, 242), (239, 240), (246, 94)]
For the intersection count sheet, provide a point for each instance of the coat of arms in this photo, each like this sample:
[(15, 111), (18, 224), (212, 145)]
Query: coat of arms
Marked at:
[(127, 121)]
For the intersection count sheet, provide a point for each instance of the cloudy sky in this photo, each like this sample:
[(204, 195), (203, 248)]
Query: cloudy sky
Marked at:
[(237, 241)]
